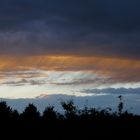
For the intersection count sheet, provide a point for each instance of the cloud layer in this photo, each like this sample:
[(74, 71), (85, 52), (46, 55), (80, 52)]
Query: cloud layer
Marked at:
[(81, 27), (97, 37), (107, 70), (119, 91)]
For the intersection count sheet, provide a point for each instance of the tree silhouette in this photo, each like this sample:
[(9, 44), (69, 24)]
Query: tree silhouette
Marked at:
[(5, 111), (15, 115), (86, 120), (49, 114), (120, 106), (31, 113), (70, 109)]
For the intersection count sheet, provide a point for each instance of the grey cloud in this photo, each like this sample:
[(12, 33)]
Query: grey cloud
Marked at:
[(22, 74), (16, 83), (37, 82), (113, 91), (23, 82), (81, 27), (115, 14), (85, 81)]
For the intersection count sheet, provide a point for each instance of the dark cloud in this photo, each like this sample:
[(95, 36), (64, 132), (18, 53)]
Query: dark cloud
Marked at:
[(22, 74), (15, 83), (24, 82), (81, 27), (84, 81), (121, 14)]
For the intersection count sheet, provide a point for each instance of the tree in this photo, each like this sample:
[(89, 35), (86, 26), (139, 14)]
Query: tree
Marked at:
[(5, 111), (31, 112), (70, 109), (50, 114), (120, 106)]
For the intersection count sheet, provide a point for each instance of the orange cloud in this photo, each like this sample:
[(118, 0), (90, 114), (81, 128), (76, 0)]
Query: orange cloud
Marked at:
[(123, 70)]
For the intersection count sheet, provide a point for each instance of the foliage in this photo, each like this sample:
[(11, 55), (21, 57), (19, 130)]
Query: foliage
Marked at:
[(50, 114), (85, 120)]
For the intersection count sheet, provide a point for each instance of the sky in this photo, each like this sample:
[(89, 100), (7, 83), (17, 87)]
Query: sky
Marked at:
[(69, 47)]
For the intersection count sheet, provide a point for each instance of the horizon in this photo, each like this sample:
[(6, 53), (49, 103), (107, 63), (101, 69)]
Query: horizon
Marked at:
[(131, 102)]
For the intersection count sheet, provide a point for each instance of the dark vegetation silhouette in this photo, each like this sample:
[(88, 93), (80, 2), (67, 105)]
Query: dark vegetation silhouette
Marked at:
[(30, 113), (85, 122)]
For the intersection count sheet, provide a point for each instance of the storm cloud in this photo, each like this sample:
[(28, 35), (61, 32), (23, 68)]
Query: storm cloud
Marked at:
[(82, 27)]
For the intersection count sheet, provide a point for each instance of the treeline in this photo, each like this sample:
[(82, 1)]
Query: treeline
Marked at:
[(87, 121)]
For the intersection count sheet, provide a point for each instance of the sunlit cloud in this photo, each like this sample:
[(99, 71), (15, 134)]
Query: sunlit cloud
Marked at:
[(110, 69)]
